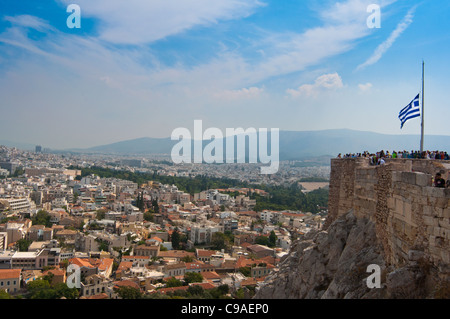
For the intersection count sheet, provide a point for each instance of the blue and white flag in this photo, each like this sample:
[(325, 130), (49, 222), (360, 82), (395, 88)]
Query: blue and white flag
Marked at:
[(410, 111)]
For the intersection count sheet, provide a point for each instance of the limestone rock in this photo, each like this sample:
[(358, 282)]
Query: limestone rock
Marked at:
[(332, 264)]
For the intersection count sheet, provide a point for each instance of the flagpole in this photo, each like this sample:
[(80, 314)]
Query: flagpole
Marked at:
[(423, 100)]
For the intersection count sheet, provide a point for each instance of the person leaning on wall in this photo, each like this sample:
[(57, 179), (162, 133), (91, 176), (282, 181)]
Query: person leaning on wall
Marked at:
[(439, 181)]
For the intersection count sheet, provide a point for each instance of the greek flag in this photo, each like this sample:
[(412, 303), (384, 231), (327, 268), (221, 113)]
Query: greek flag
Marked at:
[(410, 111)]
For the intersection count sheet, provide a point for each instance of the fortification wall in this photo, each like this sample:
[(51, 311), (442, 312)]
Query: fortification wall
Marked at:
[(411, 216)]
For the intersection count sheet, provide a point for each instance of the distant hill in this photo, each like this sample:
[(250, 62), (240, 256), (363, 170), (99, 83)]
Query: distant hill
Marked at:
[(22, 146), (295, 145)]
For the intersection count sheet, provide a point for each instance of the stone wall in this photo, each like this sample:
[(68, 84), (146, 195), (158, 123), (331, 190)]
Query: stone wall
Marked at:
[(410, 215)]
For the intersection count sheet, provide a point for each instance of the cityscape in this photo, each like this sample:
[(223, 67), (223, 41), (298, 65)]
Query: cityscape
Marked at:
[(226, 157), (152, 238)]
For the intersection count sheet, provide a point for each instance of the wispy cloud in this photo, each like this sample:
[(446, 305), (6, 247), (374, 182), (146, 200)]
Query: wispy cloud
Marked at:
[(29, 21), (244, 93), (142, 21), (386, 45), (365, 87), (323, 82)]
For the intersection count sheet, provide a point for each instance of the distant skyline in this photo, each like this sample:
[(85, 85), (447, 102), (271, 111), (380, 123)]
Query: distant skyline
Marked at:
[(143, 68)]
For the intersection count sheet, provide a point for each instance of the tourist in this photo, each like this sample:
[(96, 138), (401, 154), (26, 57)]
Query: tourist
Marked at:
[(439, 181)]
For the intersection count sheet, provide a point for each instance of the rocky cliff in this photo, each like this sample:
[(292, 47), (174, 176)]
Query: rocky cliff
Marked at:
[(389, 216)]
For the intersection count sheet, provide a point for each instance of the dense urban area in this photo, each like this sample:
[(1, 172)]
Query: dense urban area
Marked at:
[(94, 226)]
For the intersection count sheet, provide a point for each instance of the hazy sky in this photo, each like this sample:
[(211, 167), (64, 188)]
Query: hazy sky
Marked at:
[(145, 67)]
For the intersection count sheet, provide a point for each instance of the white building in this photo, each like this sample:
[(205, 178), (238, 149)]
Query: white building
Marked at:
[(202, 234)]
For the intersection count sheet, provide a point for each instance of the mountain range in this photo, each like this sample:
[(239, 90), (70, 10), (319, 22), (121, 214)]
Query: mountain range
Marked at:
[(293, 145)]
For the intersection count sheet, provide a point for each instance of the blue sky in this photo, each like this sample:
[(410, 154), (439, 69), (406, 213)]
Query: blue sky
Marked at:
[(143, 68)]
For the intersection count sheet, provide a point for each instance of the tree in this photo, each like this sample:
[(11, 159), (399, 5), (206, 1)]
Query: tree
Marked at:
[(140, 202), (272, 239), (129, 293), (195, 290), (246, 271), (155, 206), (75, 197), (42, 289), (176, 239), (262, 240), (42, 218), (187, 259), (218, 240), (23, 244), (101, 213), (173, 282), (191, 277), (5, 295), (148, 216)]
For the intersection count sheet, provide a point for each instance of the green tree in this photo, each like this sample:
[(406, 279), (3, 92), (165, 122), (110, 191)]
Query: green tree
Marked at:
[(129, 293), (148, 216), (173, 282), (23, 244), (75, 197), (195, 290), (246, 271), (5, 295), (176, 239), (187, 259), (272, 239), (100, 214), (219, 241), (191, 277), (155, 206), (42, 218), (262, 240)]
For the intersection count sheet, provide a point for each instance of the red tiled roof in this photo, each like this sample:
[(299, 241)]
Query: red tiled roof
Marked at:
[(204, 285), (99, 296), (245, 244), (205, 253), (10, 273), (172, 289), (125, 265), (210, 275), (126, 283)]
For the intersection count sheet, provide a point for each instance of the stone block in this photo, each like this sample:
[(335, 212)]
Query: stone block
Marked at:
[(409, 177), (427, 210), (399, 206), (430, 221), (445, 255), (446, 213), (438, 231), (437, 192), (444, 223), (396, 176), (423, 179)]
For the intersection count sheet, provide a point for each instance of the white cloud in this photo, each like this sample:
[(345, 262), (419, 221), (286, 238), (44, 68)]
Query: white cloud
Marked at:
[(28, 21), (143, 21), (386, 45), (365, 87), (244, 93), (322, 83)]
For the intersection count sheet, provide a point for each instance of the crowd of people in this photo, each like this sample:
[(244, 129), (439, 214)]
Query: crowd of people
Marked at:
[(441, 155), (378, 158)]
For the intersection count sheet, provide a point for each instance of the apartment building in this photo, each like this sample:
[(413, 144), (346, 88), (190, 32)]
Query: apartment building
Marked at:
[(202, 234), (10, 280), (15, 205)]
